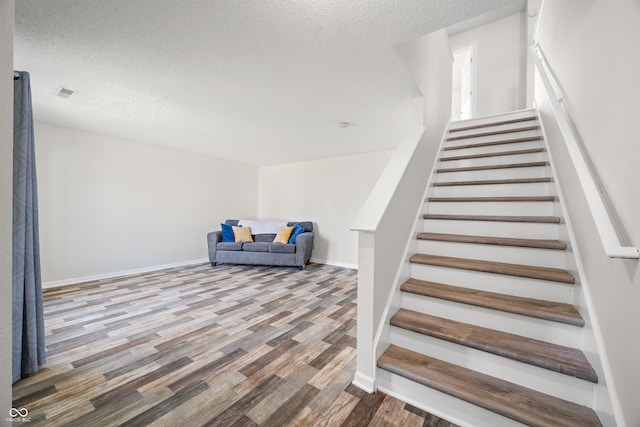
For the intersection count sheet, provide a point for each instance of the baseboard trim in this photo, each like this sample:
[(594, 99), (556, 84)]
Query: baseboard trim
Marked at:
[(76, 280), (334, 263), (364, 382)]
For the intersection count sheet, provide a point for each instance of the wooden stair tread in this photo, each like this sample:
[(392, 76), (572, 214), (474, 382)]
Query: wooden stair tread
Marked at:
[(494, 199), (491, 143), (499, 218), (486, 125), (493, 182), (494, 154), (558, 358), (502, 397), (492, 167), (492, 133), (500, 241), (547, 310), (518, 270)]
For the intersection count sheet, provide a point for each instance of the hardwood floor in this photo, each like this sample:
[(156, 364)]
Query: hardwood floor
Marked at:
[(196, 346)]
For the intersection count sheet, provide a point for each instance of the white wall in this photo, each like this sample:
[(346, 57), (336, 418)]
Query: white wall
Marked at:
[(329, 192), (591, 48), (6, 195), (500, 63), (109, 205)]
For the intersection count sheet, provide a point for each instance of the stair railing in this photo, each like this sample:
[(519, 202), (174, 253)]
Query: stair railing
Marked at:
[(604, 224)]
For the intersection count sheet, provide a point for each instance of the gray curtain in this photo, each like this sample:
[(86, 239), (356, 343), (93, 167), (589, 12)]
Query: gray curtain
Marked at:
[(28, 318)]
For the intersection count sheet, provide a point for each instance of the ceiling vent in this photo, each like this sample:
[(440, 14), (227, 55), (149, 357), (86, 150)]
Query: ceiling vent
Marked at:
[(64, 92)]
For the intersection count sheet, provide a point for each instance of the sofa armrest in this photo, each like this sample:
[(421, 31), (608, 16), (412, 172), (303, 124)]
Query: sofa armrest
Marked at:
[(304, 246), (212, 241)]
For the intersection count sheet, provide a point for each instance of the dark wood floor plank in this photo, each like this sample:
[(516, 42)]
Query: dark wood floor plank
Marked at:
[(238, 409)]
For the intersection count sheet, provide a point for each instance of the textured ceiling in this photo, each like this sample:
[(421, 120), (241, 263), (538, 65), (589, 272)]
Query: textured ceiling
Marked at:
[(257, 81)]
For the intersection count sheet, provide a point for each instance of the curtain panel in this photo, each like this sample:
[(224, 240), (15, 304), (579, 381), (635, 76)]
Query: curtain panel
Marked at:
[(28, 318)]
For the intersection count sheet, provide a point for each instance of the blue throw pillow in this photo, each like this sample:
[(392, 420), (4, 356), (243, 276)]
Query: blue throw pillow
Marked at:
[(227, 233), (297, 229)]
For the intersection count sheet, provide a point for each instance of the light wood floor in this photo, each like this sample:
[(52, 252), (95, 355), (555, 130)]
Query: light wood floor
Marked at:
[(202, 345)]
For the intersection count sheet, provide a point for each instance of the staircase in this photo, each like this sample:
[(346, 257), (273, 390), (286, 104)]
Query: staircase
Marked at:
[(483, 332)]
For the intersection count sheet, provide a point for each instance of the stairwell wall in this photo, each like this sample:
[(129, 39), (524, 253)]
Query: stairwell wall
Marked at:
[(501, 63), (387, 218), (589, 48)]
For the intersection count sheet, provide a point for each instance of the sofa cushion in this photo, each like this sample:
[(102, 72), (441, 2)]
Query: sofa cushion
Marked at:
[(282, 248), (283, 235), (229, 246), (256, 247), (308, 226), (296, 231), (227, 233), (264, 237), (242, 234)]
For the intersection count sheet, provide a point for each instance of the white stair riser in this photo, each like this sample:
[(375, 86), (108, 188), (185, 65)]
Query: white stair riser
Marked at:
[(440, 404), (492, 119), (498, 253), (539, 329), (509, 173), (500, 283), (540, 379), (521, 230), (491, 148), (491, 208), (495, 128), (495, 160), (497, 190)]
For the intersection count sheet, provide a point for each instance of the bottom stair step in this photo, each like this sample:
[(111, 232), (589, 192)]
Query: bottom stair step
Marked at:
[(510, 400)]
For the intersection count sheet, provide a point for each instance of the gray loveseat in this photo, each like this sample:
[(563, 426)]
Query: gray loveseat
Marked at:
[(262, 251)]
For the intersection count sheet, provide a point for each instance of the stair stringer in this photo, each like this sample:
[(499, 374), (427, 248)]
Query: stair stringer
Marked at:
[(383, 337), (591, 342)]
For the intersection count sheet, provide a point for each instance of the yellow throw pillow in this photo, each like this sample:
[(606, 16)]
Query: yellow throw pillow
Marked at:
[(283, 235), (242, 234)]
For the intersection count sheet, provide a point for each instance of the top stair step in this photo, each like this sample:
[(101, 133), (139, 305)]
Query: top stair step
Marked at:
[(498, 123), (492, 133), (519, 403)]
